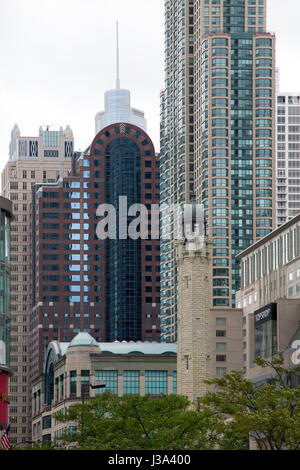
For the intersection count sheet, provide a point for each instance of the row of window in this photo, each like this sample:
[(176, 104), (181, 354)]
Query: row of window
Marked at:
[(96, 299), (156, 381), (268, 258)]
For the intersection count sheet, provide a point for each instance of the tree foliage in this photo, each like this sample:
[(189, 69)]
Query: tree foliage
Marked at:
[(46, 445), (235, 410), (134, 422), (269, 413)]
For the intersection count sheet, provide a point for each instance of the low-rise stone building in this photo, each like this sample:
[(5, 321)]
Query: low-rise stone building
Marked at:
[(73, 370)]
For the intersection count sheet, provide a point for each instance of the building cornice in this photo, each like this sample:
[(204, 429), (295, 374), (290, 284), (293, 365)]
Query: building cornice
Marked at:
[(270, 236)]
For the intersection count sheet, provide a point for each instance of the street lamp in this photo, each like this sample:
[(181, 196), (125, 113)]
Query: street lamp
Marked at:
[(97, 385), (94, 386)]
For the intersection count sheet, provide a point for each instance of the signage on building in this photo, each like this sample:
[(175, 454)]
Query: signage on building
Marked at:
[(264, 314), (4, 397)]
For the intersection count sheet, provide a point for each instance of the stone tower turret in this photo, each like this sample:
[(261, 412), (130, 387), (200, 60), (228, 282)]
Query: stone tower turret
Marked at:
[(193, 255)]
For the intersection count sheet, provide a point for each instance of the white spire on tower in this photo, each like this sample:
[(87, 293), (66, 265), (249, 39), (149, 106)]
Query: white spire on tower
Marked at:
[(118, 59), (117, 103)]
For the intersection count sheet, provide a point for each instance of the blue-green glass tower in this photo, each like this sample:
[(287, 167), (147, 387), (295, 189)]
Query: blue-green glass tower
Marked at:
[(220, 88)]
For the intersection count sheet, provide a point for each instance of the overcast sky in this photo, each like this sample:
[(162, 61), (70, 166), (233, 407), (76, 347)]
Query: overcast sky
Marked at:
[(57, 58)]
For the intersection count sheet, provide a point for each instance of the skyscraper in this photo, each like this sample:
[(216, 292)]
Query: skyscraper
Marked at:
[(117, 105), (288, 157), (42, 158), (108, 287), (218, 134)]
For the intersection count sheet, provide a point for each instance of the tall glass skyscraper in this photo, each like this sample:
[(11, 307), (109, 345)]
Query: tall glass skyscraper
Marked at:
[(217, 134)]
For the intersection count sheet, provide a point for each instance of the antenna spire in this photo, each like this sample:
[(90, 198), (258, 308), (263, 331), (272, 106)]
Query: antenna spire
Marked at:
[(118, 59)]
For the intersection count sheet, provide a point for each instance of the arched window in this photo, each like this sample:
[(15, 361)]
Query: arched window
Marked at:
[(49, 377)]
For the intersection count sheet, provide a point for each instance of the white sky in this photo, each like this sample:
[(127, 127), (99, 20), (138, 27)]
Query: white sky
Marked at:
[(57, 58)]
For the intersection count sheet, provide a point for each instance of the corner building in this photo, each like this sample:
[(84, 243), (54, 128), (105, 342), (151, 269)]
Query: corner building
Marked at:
[(270, 295), (75, 368), (108, 288), (220, 100), (5, 221), (42, 158)]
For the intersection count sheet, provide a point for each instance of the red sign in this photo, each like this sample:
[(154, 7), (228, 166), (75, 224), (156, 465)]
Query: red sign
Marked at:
[(4, 398)]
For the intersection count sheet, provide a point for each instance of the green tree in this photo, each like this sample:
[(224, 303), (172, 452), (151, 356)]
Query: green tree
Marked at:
[(46, 445), (139, 423), (269, 414), (225, 418)]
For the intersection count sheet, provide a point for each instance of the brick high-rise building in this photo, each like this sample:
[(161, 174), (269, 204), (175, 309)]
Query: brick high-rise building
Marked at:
[(108, 288), (32, 160), (217, 135)]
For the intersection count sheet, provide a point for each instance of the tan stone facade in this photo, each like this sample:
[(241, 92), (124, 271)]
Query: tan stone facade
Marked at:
[(32, 160), (193, 359), (140, 368), (226, 340), (209, 340)]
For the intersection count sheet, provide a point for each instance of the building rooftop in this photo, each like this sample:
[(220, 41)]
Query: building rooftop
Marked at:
[(56, 350), (138, 347), (270, 236), (82, 339)]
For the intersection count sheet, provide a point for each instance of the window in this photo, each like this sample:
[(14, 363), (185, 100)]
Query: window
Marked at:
[(266, 339), (68, 149), (57, 388), (174, 381), (221, 333), (221, 357), (220, 42), (156, 382), (62, 386), (46, 422), (110, 378), (85, 382), (51, 153), (131, 382), (33, 148), (72, 430), (73, 382), (263, 42)]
